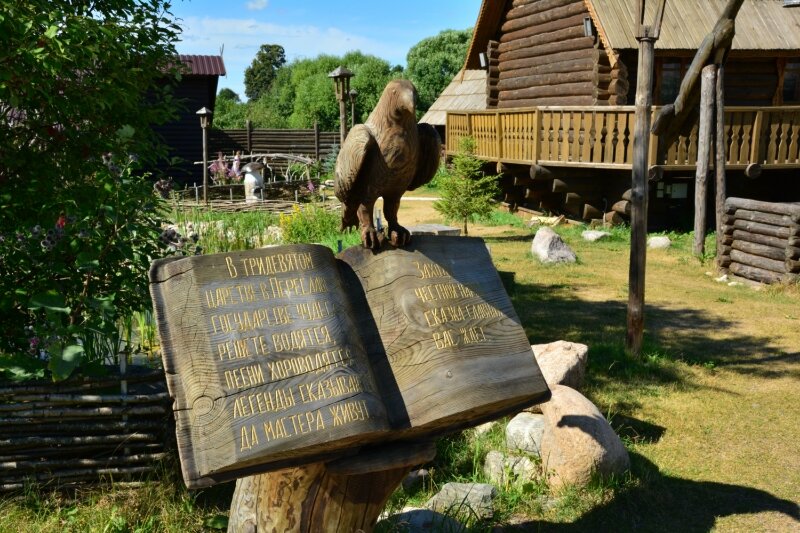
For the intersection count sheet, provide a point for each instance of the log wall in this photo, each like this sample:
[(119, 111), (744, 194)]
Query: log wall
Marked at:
[(83, 431), (545, 58), (761, 240)]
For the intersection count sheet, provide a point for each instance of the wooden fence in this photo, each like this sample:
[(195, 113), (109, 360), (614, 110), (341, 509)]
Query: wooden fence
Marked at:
[(84, 430), (310, 143), (602, 137), (761, 240)]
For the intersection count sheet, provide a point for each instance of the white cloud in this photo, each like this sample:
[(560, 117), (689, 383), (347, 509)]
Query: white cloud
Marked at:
[(257, 5)]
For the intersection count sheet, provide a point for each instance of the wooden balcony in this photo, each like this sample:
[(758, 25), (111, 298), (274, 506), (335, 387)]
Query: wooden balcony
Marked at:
[(602, 137)]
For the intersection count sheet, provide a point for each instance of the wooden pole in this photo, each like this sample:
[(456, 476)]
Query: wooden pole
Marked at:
[(704, 142), (249, 136), (720, 153), (205, 166), (316, 140), (647, 36)]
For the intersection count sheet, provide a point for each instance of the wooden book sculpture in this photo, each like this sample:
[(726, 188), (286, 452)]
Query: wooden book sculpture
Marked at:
[(318, 380), (386, 156)]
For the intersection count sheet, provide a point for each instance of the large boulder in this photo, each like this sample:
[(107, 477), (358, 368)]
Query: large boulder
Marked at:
[(562, 362), (548, 247), (524, 433), (464, 499), (577, 440)]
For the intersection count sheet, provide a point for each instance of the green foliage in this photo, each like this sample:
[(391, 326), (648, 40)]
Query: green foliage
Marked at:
[(78, 226), (313, 224), (434, 61), (466, 192), (228, 94), (258, 77), (301, 93), (69, 278)]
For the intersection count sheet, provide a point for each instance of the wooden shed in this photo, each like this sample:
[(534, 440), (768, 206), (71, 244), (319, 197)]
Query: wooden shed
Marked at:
[(560, 75), (197, 89)]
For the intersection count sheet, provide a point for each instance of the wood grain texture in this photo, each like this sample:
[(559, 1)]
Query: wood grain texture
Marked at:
[(279, 377), (449, 334), (284, 356)]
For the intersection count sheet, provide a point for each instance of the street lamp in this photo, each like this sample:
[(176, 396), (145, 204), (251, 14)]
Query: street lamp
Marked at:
[(341, 77), (205, 117), (352, 94)]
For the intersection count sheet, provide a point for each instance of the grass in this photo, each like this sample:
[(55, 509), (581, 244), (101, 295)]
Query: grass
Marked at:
[(708, 413)]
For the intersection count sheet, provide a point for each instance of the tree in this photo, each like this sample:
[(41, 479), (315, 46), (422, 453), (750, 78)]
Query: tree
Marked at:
[(466, 192), (81, 84), (258, 77), (433, 62), (228, 94)]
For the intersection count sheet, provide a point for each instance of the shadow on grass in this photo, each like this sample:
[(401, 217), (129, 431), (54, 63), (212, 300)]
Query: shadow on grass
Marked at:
[(664, 503), (552, 312)]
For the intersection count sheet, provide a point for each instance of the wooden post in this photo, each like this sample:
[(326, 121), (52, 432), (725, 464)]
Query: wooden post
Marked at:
[(249, 136), (647, 36), (205, 166), (704, 141), (316, 140), (720, 188)]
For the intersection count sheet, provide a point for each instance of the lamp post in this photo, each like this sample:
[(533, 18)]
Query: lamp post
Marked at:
[(341, 77), (205, 117), (352, 94)]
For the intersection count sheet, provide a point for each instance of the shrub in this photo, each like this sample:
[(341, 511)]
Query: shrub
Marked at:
[(466, 192), (69, 278)]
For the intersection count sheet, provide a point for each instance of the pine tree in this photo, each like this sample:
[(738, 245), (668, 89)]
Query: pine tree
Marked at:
[(467, 192)]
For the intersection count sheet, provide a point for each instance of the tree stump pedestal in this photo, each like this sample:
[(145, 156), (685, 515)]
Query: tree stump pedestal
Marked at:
[(344, 496)]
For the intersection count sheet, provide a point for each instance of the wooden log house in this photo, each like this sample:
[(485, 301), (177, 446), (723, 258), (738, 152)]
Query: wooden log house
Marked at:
[(560, 76)]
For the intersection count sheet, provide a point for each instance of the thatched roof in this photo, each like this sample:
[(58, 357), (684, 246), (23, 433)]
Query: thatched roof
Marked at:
[(467, 91)]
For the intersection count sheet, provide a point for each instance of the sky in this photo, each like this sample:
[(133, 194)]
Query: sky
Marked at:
[(307, 28)]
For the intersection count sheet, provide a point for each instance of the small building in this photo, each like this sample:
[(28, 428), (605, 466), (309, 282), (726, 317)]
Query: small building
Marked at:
[(196, 89), (560, 78)]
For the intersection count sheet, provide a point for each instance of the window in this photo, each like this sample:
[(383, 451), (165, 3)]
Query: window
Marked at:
[(791, 82), (669, 80)]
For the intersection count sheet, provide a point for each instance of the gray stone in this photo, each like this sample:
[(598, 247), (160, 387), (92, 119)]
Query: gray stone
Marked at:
[(433, 229), (524, 432), (548, 247), (413, 520), (415, 478), (594, 235), (484, 428), (562, 362), (659, 242), (501, 469), (577, 440), (464, 499)]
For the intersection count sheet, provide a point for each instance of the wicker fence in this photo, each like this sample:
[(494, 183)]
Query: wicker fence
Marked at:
[(84, 430)]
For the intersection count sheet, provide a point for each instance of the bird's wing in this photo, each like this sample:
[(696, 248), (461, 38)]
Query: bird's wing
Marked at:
[(430, 148), (355, 150)]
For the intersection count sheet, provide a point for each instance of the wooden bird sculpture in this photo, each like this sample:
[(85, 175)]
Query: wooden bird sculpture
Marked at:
[(385, 157)]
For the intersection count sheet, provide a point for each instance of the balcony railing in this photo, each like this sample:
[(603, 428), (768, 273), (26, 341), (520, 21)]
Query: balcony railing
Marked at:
[(602, 137)]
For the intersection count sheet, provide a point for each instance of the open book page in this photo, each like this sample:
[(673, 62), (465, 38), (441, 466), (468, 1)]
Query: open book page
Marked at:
[(263, 360)]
